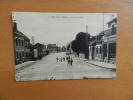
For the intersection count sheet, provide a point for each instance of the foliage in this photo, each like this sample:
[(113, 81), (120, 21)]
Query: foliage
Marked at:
[(79, 44)]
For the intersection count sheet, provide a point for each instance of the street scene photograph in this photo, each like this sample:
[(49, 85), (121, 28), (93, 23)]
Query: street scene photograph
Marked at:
[(60, 46)]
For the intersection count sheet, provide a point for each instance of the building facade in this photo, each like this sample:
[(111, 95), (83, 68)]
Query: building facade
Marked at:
[(109, 42), (21, 46), (52, 48), (41, 49), (103, 46)]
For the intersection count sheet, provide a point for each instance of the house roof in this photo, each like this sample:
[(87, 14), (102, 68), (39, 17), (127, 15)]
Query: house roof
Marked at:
[(113, 20), (20, 33), (93, 42)]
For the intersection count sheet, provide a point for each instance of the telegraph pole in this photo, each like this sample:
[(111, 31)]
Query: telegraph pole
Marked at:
[(87, 48), (57, 47)]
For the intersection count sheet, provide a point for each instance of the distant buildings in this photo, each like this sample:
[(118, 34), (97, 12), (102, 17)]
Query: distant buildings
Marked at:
[(103, 46), (41, 48), (63, 49), (25, 51), (95, 48), (52, 47), (21, 44)]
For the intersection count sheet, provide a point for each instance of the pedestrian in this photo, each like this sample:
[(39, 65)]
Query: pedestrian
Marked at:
[(64, 58), (61, 59), (57, 59), (68, 62), (71, 61)]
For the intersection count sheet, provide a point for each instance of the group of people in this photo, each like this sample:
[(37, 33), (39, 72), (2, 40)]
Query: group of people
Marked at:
[(68, 59), (61, 59)]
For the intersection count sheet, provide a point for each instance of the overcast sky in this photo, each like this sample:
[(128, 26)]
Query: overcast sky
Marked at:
[(61, 28)]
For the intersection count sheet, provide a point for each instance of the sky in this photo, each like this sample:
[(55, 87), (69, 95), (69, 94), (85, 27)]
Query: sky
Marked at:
[(59, 28)]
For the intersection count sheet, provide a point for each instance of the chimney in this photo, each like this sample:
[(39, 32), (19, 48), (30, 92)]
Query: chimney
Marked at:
[(15, 26), (33, 40)]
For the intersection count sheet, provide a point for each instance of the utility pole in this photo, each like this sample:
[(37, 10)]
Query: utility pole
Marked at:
[(57, 47), (87, 48), (102, 42)]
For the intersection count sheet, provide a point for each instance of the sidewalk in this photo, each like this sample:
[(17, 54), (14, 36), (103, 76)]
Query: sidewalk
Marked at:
[(99, 64), (24, 65)]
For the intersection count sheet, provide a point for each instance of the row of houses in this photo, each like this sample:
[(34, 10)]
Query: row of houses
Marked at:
[(25, 51), (103, 46), (52, 48)]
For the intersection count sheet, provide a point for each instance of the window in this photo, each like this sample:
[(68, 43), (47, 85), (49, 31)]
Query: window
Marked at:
[(19, 42), (22, 42), (17, 55), (27, 54), (97, 50), (100, 49), (23, 53), (20, 54), (16, 42), (25, 44)]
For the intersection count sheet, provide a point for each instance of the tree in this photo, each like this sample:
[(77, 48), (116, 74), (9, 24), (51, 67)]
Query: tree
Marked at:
[(68, 47), (74, 46), (81, 41)]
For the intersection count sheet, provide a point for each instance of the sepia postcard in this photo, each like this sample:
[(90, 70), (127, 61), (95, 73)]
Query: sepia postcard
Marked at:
[(59, 46)]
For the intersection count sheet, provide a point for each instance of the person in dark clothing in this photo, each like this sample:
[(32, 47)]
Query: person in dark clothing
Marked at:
[(63, 58), (68, 62), (71, 61), (57, 59)]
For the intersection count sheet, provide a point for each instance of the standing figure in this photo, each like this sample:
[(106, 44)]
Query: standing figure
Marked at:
[(61, 59), (71, 61), (57, 59), (68, 62), (64, 58)]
